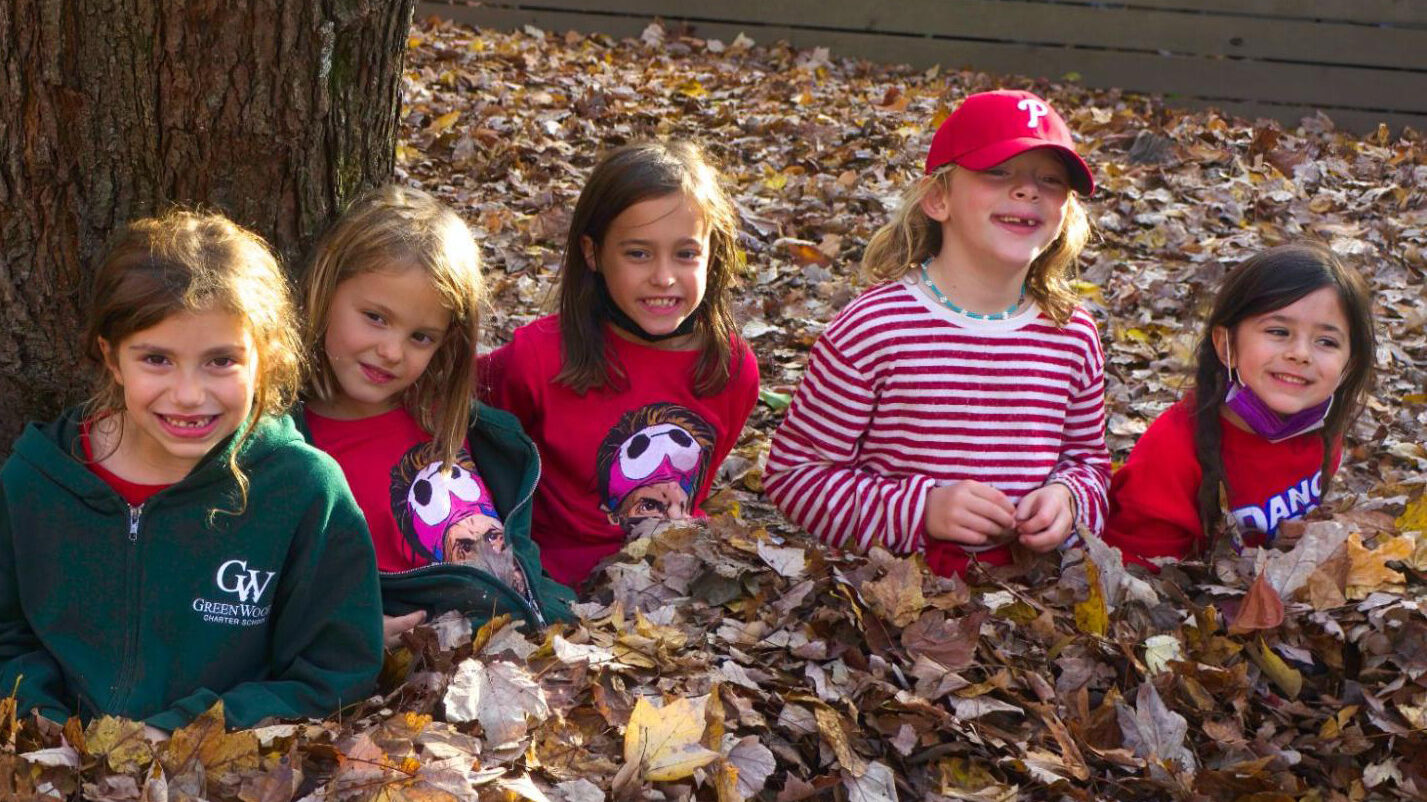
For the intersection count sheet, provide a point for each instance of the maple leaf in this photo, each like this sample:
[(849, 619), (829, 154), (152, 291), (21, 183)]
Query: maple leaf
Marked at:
[(121, 742), (501, 696), (206, 742), (898, 595), (664, 742), (1367, 568)]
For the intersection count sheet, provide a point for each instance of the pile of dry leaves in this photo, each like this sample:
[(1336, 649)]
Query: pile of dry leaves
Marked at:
[(740, 660)]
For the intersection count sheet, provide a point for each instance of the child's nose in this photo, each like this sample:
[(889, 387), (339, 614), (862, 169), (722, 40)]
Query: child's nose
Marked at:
[(188, 391), (1025, 187), (389, 349), (663, 275)]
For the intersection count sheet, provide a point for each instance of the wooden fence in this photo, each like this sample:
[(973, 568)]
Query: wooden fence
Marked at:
[(1360, 61)]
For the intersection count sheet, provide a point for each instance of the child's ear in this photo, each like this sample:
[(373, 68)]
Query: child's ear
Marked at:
[(1220, 335), (587, 247), (107, 352), (936, 202)]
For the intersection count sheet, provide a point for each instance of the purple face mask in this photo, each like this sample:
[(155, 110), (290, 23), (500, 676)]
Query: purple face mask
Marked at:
[(1268, 424)]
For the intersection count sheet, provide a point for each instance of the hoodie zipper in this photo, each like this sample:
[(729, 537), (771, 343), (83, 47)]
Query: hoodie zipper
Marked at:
[(131, 633), (529, 580)]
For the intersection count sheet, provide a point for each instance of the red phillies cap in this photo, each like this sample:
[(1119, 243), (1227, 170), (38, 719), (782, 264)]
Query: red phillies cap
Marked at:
[(991, 127)]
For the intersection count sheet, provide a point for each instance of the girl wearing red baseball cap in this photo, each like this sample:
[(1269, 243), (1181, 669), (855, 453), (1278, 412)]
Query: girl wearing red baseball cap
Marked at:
[(958, 405)]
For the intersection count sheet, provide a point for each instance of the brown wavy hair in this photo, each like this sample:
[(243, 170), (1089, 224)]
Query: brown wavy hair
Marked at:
[(391, 227), (911, 237), (624, 177), (194, 261), (1263, 283)]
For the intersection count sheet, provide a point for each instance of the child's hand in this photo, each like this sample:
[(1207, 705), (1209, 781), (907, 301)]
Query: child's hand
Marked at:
[(968, 512), (394, 625), (1045, 517)]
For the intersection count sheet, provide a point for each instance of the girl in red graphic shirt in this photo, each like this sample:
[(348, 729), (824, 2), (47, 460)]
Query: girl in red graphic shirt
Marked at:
[(639, 387), (1282, 370)]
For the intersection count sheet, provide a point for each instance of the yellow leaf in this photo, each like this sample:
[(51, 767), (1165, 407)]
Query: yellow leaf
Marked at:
[(1089, 289), (1137, 335), (664, 741), (1092, 616), (831, 728), (442, 123), (413, 42), (1286, 677), (1367, 568), (121, 742), (692, 88), (1414, 518), (776, 181)]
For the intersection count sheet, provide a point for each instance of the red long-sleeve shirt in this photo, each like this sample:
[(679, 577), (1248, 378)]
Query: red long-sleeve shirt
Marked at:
[(1153, 497), (610, 459)]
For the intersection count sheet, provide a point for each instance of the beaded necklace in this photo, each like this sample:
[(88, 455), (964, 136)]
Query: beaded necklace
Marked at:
[(947, 302)]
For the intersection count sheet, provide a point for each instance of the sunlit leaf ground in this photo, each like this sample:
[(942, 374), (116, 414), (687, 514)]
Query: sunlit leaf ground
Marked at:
[(787, 672)]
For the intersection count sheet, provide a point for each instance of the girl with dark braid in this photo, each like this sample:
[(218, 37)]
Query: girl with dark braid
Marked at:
[(1283, 369)]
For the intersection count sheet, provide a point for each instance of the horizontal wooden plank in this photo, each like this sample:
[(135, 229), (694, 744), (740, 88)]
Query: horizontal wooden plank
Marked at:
[(1226, 80), (1050, 23), (1367, 12)]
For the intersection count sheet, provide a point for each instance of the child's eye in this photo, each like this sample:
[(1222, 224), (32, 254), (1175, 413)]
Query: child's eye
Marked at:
[(157, 360), (1053, 180), (1329, 342), (690, 254), (1277, 331), (373, 317), (423, 338), (224, 362)]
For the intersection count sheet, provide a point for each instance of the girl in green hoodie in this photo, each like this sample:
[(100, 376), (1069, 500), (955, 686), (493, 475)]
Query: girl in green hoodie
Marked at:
[(161, 546)]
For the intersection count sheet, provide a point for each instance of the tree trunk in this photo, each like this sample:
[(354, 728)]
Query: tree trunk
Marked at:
[(275, 112)]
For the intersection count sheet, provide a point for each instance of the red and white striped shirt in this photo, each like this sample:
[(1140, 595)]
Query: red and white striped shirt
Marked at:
[(902, 395)]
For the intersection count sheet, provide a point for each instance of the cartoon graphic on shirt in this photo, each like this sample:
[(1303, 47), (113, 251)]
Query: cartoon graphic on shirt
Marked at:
[(652, 463), (450, 516)]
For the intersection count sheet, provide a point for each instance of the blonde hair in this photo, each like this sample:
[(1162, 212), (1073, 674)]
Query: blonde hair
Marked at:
[(624, 177), (191, 261), (393, 227), (911, 237)]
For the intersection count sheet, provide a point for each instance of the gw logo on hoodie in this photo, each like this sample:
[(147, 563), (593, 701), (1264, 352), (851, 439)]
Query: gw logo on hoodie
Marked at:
[(246, 584)]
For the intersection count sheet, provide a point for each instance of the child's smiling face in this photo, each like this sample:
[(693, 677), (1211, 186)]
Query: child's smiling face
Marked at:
[(383, 328), (1007, 214), (654, 258), (188, 383), (1293, 357)]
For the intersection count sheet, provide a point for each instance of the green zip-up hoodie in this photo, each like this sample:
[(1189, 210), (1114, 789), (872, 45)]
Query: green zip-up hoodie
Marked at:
[(155, 612), (509, 464)]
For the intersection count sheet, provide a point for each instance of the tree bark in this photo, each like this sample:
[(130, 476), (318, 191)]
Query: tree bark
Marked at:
[(276, 112)]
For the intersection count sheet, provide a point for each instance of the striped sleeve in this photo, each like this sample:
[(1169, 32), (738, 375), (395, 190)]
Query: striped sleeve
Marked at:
[(1084, 466), (813, 473)]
